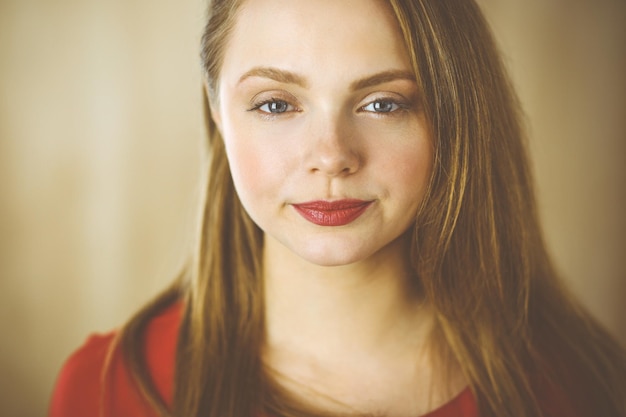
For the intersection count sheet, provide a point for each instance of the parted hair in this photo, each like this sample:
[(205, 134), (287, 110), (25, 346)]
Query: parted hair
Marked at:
[(477, 252)]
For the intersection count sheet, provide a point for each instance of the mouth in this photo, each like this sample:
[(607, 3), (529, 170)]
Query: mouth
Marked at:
[(332, 213)]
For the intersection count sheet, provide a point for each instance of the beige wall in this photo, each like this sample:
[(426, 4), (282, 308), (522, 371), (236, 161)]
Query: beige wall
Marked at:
[(100, 136), (568, 59)]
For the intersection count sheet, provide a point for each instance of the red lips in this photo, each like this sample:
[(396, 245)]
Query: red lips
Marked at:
[(332, 213)]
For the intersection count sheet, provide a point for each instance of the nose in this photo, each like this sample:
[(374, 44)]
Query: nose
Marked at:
[(334, 151)]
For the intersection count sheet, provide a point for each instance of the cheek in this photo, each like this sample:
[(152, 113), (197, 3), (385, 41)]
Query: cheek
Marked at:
[(412, 170), (247, 169), (256, 170), (243, 160), (407, 166), (260, 157)]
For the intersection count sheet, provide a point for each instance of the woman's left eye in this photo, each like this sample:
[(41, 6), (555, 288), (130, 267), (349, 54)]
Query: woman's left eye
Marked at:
[(382, 106)]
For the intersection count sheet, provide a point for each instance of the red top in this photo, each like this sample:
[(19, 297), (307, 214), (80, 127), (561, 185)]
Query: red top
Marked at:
[(83, 391)]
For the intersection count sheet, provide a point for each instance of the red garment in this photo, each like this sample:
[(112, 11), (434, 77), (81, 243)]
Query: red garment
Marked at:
[(81, 392)]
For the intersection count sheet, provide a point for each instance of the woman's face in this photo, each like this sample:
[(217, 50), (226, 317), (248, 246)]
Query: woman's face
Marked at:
[(320, 114)]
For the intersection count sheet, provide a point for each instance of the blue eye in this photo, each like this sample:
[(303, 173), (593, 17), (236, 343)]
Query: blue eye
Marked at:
[(274, 106), (382, 106)]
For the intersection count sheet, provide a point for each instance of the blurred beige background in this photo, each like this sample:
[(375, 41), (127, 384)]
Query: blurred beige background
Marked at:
[(100, 142)]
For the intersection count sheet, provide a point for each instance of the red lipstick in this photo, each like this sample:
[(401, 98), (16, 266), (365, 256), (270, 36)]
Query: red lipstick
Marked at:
[(332, 213)]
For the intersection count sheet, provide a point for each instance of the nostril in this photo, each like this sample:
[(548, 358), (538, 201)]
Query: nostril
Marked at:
[(334, 150), (343, 164)]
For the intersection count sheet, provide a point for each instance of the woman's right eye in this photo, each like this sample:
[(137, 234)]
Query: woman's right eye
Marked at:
[(274, 106)]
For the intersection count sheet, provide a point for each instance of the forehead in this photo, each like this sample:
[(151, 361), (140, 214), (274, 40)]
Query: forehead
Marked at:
[(315, 37)]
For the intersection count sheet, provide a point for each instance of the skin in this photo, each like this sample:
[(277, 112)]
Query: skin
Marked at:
[(317, 101), (328, 145)]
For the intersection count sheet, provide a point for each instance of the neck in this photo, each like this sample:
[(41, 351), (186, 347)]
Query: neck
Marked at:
[(354, 337), (368, 306)]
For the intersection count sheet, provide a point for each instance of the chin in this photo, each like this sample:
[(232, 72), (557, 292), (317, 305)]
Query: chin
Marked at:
[(330, 261), (331, 255)]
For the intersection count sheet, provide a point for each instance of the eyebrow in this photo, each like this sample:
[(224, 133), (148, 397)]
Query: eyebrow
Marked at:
[(382, 78), (289, 77), (275, 74)]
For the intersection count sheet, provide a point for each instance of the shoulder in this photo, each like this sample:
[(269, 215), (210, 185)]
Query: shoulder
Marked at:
[(94, 381), (463, 405), (573, 398), (79, 384)]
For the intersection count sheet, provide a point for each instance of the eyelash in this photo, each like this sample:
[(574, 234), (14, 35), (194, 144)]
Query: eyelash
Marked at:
[(399, 107), (257, 107)]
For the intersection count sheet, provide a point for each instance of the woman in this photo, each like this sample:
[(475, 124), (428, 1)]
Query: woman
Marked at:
[(369, 243)]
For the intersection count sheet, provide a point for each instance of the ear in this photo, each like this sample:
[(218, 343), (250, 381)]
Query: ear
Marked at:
[(211, 104)]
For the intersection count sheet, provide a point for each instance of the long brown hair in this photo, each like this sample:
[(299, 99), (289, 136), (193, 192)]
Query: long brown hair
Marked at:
[(477, 248)]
